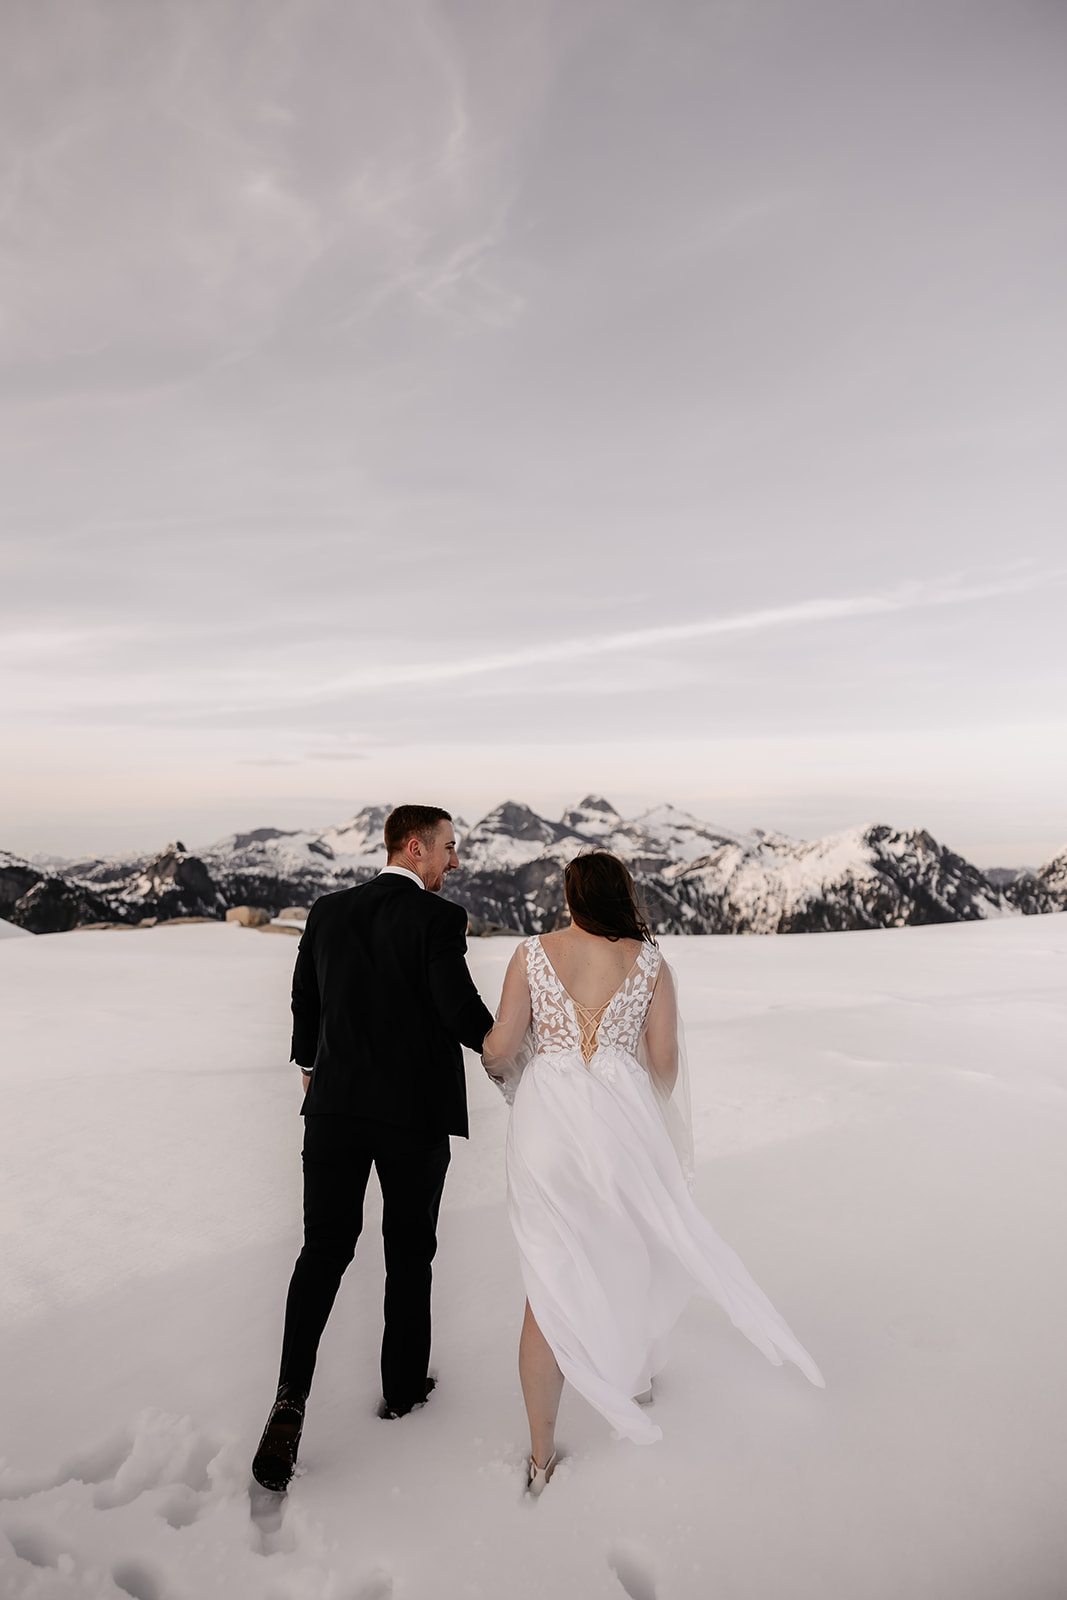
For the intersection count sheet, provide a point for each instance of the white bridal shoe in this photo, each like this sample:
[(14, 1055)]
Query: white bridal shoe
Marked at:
[(537, 1477)]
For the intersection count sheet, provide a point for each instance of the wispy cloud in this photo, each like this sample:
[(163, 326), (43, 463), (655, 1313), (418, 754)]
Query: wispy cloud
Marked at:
[(805, 613)]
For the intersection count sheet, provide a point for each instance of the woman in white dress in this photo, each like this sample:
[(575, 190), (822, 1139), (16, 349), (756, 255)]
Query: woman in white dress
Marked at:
[(611, 1243)]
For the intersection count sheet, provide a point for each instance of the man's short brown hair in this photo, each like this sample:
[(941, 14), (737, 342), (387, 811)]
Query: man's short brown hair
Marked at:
[(407, 821)]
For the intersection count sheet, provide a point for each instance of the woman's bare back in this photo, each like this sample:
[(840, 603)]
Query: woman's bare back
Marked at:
[(589, 967)]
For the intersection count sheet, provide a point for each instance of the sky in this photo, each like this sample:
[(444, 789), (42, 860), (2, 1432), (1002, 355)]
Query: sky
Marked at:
[(519, 399)]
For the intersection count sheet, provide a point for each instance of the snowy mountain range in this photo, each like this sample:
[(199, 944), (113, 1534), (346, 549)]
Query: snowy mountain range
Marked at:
[(694, 877)]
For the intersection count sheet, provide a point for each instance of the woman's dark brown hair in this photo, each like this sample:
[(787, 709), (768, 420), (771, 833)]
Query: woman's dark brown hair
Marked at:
[(602, 897)]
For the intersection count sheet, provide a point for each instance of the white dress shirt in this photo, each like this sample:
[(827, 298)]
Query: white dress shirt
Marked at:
[(403, 872)]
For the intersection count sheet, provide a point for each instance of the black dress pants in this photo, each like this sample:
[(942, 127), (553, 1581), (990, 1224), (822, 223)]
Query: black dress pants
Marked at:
[(339, 1152)]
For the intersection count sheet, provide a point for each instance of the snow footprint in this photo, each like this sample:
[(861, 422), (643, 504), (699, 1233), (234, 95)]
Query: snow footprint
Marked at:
[(633, 1570), (158, 1451), (36, 1546), (273, 1532), (164, 1451), (140, 1580), (90, 1466), (181, 1507), (378, 1586)]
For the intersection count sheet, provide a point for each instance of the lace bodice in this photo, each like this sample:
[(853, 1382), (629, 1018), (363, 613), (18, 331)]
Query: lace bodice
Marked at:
[(561, 1024)]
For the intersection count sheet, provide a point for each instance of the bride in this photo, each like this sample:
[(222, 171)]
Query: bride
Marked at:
[(610, 1241)]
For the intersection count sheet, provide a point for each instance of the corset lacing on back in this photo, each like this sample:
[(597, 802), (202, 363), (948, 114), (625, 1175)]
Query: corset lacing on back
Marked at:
[(588, 1025)]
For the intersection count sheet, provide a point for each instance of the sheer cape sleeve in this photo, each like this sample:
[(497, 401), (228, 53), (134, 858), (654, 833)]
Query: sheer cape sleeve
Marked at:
[(661, 1051), (509, 1046)]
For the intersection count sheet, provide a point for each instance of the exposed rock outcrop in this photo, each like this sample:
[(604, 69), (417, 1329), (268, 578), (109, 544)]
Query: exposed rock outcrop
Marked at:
[(54, 905), (248, 916), (17, 877), (1051, 881)]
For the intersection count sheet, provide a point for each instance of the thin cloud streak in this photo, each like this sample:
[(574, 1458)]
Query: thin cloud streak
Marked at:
[(212, 690), (567, 650)]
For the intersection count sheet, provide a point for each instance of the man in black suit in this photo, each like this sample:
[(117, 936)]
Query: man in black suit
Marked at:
[(382, 1001)]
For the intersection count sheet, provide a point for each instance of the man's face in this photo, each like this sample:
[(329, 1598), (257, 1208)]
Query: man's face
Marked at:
[(438, 858)]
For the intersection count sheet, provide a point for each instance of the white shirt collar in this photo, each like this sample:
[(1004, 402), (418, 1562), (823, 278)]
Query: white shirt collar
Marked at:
[(403, 872)]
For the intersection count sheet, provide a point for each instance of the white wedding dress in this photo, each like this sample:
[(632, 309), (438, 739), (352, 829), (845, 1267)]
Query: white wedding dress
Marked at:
[(611, 1243)]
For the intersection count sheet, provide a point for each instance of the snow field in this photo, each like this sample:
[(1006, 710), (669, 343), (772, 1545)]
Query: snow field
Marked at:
[(880, 1123)]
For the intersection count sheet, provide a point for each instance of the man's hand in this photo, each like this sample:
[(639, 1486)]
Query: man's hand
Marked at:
[(307, 1079)]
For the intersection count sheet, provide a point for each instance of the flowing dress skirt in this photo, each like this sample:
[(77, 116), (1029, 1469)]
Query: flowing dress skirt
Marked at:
[(611, 1243)]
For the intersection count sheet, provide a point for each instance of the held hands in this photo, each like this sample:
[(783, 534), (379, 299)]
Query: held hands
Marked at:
[(507, 1086), (497, 1070)]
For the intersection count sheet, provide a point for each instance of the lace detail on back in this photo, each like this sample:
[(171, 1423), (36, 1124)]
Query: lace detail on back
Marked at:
[(560, 1023)]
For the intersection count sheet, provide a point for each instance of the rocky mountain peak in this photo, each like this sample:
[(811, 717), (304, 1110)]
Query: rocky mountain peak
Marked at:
[(516, 820), (174, 877), (596, 802), (362, 837), (593, 815), (242, 841)]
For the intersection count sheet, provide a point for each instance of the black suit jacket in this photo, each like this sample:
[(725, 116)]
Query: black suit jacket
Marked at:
[(382, 1000)]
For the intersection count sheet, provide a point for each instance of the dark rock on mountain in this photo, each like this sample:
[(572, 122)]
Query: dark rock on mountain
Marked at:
[(1051, 882), (174, 884), (528, 898), (168, 886), (1028, 896), (115, 872), (1003, 877), (53, 905), (17, 877), (1034, 891), (514, 821)]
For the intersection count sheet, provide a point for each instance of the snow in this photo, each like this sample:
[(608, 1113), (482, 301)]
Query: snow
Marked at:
[(501, 852), (765, 882), (686, 838), (8, 930), (880, 1123)]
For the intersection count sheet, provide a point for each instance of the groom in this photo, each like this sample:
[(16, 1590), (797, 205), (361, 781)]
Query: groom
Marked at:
[(382, 1001)]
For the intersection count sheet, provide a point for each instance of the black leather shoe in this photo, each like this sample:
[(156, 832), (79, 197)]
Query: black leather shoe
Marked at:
[(274, 1462), (389, 1413)]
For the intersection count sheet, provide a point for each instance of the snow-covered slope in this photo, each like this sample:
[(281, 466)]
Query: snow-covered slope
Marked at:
[(694, 876), (871, 877), (880, 1122)]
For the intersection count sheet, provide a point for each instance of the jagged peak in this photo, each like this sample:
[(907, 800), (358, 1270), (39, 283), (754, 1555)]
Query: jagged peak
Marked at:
[(367, 815), (241, 841), (594, 813), (515, 819)]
